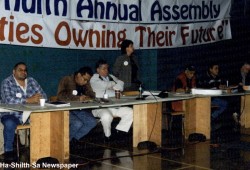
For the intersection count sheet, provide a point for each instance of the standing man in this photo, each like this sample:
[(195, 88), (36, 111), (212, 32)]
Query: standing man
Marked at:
[(104, 83), (126, 67), (77, 88), (17, 89)]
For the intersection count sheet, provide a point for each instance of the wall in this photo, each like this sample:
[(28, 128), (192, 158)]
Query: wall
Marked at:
[(48, 65)]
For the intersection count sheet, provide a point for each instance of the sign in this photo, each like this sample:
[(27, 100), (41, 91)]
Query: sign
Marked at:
[(103, 25)]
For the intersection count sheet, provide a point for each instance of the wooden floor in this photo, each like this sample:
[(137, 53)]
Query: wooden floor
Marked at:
[(91, 152)]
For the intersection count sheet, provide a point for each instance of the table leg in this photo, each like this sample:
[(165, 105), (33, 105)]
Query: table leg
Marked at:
[(198, 116), (49, 135), (245, 109), (147, 123)]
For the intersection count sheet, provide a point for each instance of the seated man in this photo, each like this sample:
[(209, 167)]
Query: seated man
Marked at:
[(212, 80), (17, 89), (243, 77), (104, 83), (184, 82), (77, 88)]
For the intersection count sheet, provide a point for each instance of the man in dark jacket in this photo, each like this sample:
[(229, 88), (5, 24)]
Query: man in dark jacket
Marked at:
[(77, 88), (212, 80)]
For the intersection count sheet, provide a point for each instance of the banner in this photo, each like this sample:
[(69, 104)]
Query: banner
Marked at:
[(138, 11), (150, 11), (72, 23)]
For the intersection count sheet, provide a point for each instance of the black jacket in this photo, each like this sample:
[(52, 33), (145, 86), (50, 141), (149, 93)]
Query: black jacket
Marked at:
[(210, 82)]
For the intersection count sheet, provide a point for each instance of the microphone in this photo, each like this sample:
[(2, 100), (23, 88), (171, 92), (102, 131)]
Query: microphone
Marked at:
[(111, 79), (140, 97)]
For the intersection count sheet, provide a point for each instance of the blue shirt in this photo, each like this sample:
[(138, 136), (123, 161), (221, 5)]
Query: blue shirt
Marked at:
[(11, 93)]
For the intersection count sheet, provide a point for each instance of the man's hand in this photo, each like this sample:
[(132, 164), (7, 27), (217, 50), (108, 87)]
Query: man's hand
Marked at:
[(84, 98), (112, 85), (34, 99), (222, 86), (180, 90)]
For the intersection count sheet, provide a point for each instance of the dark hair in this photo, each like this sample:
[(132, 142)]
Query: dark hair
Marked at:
[(84, 70), (19, 63), (125, 44), (211, 65), (100, 62), (190, 68)]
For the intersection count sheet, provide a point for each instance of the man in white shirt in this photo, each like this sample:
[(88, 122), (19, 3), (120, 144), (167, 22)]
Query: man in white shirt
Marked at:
[(104, 83)]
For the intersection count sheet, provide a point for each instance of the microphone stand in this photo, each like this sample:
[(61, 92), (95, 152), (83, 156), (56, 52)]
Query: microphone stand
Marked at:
[(140, 97)]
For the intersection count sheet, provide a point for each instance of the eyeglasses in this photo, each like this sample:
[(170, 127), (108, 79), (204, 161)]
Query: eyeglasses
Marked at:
[(22, 70), (84, 78)]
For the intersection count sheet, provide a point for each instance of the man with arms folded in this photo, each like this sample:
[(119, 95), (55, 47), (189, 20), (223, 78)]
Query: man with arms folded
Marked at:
[(17, 89), (77, 88), (104, 83)]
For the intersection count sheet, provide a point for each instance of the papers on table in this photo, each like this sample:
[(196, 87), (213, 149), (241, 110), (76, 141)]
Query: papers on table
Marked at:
[(150, 93), (57, 104), (152, 97), (160, 94), (206, 91)]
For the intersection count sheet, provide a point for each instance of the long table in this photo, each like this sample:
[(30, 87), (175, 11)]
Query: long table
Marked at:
[(198, 113), (49, 132), (49, 126)]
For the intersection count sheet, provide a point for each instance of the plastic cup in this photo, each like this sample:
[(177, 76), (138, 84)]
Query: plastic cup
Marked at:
[(42, 102), (105, 96)]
